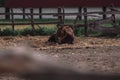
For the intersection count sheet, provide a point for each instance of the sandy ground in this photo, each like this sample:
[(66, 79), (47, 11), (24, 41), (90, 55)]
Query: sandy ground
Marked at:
[(40, 42), (104, 59), (96, 54)]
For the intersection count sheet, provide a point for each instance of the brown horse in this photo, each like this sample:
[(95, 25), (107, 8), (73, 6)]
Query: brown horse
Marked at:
[(64, 34)]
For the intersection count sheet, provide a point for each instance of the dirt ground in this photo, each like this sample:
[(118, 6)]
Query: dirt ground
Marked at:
[(96, 54), (40, 42)]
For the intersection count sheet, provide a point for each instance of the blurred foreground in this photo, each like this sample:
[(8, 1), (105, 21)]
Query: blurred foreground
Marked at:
[(30, 65)]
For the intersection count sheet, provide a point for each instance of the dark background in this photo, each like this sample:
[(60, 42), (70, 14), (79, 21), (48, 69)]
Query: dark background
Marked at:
[(60, 3)]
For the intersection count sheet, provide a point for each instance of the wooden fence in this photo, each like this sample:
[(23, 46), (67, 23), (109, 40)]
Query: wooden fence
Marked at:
[(61, 17)]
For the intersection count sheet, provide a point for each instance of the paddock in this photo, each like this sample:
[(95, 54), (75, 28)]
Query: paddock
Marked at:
[(99, 56)]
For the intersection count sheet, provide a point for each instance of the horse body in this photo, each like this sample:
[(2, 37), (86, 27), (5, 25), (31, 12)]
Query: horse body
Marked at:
[(64, 34)]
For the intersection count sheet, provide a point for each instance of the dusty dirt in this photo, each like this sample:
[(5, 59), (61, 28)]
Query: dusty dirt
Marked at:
[(103, 59), (40, 42), (86, 54)]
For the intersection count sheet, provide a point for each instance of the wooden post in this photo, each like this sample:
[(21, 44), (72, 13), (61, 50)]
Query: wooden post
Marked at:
[(7, 10), (104, 10), (32, 19), (60, 17), (85, 22), (23, 13), (40, 11), (113, 15), (80, 11), (114, 21), (12, 17), (63, 17), (75, 22)]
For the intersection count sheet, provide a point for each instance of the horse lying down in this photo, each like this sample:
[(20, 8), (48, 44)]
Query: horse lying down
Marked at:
[(63, 35), (33, 66)]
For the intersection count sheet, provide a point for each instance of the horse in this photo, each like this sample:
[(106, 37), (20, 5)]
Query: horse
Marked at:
[(64, 34)]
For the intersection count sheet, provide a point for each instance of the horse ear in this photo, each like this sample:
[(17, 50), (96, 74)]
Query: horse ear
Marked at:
[(72, 27), (59, 26)]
